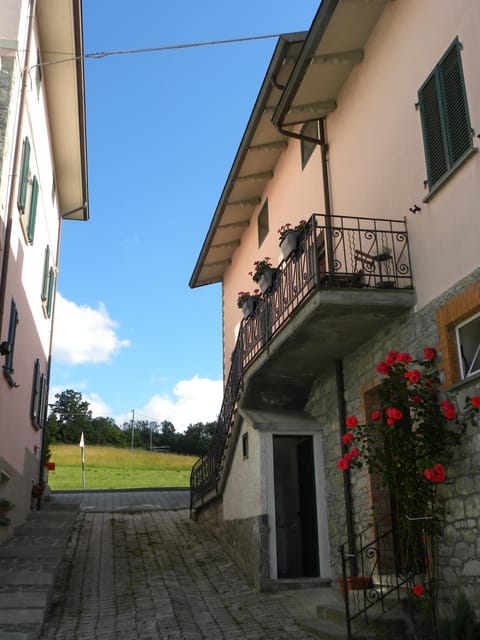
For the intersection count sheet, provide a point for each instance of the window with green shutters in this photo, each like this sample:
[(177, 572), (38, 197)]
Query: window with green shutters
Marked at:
[(38, 404), (33, 210), (447, 133), (50, 291), (12, 330), (23, 185), (46, 267), (48, 284)]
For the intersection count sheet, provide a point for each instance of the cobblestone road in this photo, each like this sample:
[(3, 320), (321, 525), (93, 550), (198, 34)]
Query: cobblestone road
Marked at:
[(149, 572)]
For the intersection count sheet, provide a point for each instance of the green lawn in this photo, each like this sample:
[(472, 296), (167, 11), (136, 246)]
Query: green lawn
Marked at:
[(111, 468)]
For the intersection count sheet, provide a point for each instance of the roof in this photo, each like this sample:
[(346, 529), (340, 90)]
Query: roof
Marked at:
[(302, 83), (61, 43)]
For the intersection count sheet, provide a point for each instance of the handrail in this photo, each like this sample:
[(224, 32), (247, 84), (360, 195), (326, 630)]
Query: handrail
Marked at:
[(365, 253)]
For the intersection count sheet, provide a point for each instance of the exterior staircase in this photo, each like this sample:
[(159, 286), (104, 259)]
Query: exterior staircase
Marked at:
[(29, 563)]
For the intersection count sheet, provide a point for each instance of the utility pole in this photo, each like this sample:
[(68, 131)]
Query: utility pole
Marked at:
[(133, 424)]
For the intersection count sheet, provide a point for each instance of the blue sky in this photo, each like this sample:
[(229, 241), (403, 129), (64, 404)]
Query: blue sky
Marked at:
[(162, 132)]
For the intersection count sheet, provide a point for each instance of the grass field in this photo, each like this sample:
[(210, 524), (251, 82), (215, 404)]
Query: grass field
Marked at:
[(111, 468)]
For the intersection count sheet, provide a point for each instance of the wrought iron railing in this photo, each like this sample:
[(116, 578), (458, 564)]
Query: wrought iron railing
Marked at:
[(333, 251), (379, 575)]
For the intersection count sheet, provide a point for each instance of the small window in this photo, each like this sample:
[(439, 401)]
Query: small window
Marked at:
[(23, 184), (38, 75), (447, 133), (468, 342), (12, 330), (33, 210), (245, 445), (50, 292), (309, 129), (262, 223)]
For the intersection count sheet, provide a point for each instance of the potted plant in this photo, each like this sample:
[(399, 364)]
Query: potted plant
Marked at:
[(263, 273), (247, 302), (5, 506), (289, 237)]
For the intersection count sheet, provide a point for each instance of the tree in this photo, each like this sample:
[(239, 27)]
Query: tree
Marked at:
[(70, 417)]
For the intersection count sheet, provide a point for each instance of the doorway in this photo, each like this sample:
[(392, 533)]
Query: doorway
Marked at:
[(295, 507)]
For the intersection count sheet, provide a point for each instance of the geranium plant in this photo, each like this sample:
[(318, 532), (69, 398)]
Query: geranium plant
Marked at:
[(243, 296), (285, 228), (408, 443), (259, 268)]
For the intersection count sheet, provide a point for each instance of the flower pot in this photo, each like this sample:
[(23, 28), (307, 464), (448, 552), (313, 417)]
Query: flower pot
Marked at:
[(266, 279), (50, 466), (355, 583), (289, 243), (248, 307)]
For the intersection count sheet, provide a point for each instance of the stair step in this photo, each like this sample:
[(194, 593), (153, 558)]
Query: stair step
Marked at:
[(21, 598), (32, 615), (19, 632)]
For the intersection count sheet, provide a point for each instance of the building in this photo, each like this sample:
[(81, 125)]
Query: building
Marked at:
[(43, 181), (366, 128)]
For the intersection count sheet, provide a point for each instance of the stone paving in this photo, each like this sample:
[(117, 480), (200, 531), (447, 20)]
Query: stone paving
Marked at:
[(138, 568)]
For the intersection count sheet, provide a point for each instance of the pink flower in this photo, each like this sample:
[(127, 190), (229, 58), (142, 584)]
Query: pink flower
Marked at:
[(413, 376), (342, 464), (418, 590), (448, 409), (354, 453), (429, 353), (436, 473), (382, 367), (347, 438), (351, 422), (376, 415), (475, 402)]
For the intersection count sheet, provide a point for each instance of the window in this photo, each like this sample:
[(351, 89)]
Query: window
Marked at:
[(27, 195), (12, 329), (262, 223), (309, 129), (39, 396), (468, 343), (447, 134), (48, 284)]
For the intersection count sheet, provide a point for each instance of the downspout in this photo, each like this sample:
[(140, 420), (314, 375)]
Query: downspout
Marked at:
[(339, 377), (16, 161)]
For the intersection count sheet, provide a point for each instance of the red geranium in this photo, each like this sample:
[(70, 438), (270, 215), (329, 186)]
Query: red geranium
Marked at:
[(382, 367), (342, 464), (404, 357)]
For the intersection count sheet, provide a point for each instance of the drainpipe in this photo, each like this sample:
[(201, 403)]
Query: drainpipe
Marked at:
[(16, 161), (347, 483)]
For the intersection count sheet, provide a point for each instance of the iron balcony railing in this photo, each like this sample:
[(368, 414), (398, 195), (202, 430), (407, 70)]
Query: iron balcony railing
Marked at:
[(333, 251)]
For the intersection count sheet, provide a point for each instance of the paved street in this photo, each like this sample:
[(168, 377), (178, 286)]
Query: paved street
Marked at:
[(137, 567)]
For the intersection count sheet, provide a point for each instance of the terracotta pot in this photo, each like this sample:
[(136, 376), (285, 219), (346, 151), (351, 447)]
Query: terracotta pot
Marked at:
[(355, 583)]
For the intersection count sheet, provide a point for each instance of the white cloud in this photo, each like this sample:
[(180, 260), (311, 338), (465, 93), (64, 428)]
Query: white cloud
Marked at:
[(194, 400), (83, 334), (97, 406)]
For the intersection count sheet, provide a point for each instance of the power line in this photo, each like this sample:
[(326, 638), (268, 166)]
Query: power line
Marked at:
[(119, 52)]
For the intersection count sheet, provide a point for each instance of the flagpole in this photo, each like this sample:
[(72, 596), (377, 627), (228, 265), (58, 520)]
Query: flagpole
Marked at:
[(82, 447)]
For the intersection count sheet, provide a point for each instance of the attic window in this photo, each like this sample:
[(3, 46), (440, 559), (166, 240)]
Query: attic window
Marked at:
[(262, 223)]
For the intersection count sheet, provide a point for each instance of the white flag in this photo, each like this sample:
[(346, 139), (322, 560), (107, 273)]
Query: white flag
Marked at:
[(82, 441)]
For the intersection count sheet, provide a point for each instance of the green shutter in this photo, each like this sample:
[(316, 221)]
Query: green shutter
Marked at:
[(12, 330), (35, 401), (22, 187), (46, 266), (51, 287), (454, 99), (446, 129), (33, 210), (42, 407)]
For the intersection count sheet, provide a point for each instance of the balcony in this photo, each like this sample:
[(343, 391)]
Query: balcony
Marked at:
[(347, 279)]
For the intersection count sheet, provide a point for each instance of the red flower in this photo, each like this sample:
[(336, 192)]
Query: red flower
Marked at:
[(475, 401), (390, 421), (354, 453), (393, 414), (448, 409), (413, 376), (347, 438), (351, 422), (376, 415), (404, 357), (382, 367), (418, 590), (436, 473), (342, 464), (417, 399), (391, 357), (429, 353)]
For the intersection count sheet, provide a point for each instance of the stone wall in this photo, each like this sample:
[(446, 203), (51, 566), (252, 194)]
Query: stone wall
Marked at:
[(245, 541), (460, 550)]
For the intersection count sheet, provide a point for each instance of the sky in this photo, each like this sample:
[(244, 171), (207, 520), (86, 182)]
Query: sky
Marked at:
[(163, 129)]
